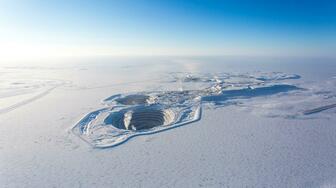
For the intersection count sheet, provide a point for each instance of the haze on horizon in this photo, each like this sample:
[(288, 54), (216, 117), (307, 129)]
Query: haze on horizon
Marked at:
[(33, 29)]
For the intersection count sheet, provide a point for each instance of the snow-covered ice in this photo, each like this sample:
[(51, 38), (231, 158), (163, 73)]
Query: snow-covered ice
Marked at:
[(206, 122)]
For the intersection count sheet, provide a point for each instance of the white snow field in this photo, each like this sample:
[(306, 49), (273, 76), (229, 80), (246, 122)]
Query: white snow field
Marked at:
[(169, 122)]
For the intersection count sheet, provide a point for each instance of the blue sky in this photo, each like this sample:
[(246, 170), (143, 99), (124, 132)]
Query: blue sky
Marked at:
[(171, 27)]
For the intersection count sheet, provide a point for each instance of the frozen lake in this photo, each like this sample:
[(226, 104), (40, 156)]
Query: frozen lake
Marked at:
[(168, 122)]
